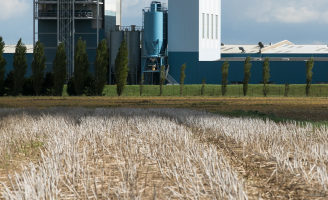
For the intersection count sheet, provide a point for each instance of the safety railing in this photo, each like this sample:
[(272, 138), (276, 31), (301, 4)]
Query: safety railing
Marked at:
[(51, 13), (126, 28)]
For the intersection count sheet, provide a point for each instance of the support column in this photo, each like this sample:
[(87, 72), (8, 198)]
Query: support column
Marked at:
[(34, 4), (97, 22), (73, 35), (58, 16)]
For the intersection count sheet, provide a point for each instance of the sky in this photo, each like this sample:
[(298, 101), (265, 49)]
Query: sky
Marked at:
[(243, 21)]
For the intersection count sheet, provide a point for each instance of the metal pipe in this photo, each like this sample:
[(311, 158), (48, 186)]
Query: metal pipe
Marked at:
[(73, 42), (34, 4), (58, 13), (97, 22)]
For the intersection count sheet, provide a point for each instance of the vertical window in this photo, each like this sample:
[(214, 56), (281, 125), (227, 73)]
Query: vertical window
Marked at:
[(212, 26), (217, 27), (208, 26), (203, 25)]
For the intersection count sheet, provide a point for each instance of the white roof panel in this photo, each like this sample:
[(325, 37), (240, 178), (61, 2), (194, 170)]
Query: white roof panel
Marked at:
[(11, 48), (299, 49)]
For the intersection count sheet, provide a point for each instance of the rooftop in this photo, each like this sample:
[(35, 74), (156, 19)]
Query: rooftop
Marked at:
[(11, 48), (283, 47)]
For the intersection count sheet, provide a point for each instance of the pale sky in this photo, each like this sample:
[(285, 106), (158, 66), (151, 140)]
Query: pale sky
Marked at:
[(243, 21)]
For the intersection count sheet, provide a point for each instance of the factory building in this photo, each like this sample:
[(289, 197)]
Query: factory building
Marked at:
[(68, 20), (187, 31)]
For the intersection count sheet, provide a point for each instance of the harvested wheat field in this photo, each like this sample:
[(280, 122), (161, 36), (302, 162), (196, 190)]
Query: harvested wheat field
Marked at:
[(158, 153)]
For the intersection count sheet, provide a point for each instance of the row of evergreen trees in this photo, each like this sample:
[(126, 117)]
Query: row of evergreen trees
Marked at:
[(266, 75), (82, 82)]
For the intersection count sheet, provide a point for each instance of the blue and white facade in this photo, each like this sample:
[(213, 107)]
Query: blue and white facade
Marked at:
[(194, 27)]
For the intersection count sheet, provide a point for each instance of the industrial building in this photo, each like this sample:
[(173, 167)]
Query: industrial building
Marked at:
[(185, 31), (68, 20)]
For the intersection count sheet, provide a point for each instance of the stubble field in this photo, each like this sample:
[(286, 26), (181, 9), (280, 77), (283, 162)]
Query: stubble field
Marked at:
[(157, 153)]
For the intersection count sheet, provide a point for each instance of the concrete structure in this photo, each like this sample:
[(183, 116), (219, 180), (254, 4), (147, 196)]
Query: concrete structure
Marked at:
[(68, 20)]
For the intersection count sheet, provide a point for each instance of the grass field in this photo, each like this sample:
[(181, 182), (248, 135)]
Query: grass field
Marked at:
[(157, 153), (215, 90)]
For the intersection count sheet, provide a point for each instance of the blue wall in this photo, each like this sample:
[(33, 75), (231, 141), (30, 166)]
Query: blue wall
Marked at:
[(281, 72), (83, 29), (10, 59)]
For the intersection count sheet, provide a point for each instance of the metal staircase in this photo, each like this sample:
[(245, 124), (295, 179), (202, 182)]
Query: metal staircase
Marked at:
[(169, 78)]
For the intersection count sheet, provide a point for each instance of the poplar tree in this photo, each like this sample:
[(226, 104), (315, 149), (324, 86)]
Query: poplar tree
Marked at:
[(38, 67), (3, 64), (81, 66), (309, 66), (266, 75), (202, 91), (247, 74), (20, 66), (224, 71), (182, 77), (142, 84), (60, 69), (100, 66), (121, 67), (162, 80)]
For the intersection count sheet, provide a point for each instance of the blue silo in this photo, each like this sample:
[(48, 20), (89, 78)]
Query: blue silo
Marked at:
[(153, 29), (154, 42)]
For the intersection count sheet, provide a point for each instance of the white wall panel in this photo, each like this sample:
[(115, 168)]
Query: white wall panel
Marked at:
[(210, 48)]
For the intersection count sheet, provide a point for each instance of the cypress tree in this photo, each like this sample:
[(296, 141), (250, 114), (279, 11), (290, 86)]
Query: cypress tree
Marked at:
[(182, 77), (309, 73), (3, 64), (121, 67), (38, 67), (100, 66), (247, 74), (81, 66), (162, 80), (224, 71), (202, 91), (266, 75), (20, 66), (60, 69)]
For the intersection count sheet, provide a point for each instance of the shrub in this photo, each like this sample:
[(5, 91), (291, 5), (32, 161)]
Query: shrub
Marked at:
[(224, 71), (81, 66), (121, 67), (162, 80), (182, 77), (20, 67), (247, 74), (286, 89), (59, 69), (142, 84), (3, 64), (266, 76), (309, 73), (202, 91), (9, 84), (38, 67), (28, 88)]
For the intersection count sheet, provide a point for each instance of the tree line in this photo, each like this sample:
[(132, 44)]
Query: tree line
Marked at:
[(84, 83), (265, 75), (52, 83)]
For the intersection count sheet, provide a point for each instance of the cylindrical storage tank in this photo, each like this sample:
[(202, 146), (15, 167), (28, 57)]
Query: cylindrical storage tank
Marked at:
[(133, 42), (153, 30), (116, 38)]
